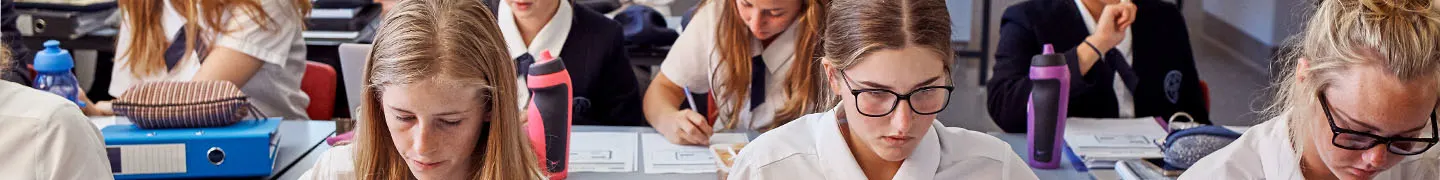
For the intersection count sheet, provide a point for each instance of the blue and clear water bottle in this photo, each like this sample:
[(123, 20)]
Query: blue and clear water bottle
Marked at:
[(53, 65)]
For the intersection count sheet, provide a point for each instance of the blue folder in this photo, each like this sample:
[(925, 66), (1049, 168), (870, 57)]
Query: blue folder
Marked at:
[(244, 149)]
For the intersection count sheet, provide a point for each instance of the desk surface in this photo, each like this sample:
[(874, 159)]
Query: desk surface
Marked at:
[(639, 173), (1066, 170), (298, 142), (301, 144)]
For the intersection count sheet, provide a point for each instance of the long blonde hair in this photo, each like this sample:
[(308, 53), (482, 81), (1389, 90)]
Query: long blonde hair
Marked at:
[(457, 41), (1401, 36), (803, 84), (148, 42), (860, 27)]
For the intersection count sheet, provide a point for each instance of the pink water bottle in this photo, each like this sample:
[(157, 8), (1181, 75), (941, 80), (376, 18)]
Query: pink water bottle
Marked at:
[(549, 113)]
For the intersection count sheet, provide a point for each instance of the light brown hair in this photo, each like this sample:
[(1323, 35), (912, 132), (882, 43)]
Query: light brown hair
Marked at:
[(148, 42), (803, 84), (451, 41), (4, 58), (1401, 36), (860, 27)]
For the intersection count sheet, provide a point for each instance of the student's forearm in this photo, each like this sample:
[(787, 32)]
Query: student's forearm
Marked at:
[(228, 65), (1087, 53), (1087, 58), (662, 98)]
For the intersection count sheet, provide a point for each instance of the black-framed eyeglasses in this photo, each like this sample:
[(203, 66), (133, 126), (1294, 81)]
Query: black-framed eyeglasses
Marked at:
[(881, 102), (1356, 140)]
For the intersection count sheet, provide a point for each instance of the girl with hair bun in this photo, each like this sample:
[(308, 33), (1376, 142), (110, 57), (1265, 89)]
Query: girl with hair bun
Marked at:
[(1356, 101)]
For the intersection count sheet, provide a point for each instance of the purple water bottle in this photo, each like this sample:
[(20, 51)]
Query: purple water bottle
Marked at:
[(53, 65), (1049, 96)]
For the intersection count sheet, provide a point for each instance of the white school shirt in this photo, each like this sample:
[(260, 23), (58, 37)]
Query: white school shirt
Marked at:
[(1264, 152), (44, 136), (812, 147), (274, 89), (551, 37), (693, 62), (336, 163), (1123, 96)]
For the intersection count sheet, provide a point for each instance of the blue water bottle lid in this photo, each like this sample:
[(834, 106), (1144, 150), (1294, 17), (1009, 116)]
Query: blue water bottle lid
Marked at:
[(53, 59)]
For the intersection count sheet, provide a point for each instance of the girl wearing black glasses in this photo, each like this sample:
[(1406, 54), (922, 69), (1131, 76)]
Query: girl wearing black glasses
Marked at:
[(1357, 100), (890, 63)]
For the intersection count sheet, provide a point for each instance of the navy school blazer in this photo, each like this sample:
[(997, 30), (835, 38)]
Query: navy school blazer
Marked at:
[(1168, 82), (601, 71)]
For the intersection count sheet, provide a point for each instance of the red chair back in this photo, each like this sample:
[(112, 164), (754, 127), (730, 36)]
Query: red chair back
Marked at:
[(1205, 90), (319, 84)]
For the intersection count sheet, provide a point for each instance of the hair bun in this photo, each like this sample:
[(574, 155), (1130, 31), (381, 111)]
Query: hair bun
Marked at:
[(1398, 8)]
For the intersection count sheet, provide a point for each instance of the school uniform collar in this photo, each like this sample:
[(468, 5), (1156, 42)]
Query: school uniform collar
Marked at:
[(834, 153), (781, 50), (924, 162), (551, 37), (1282, 161)]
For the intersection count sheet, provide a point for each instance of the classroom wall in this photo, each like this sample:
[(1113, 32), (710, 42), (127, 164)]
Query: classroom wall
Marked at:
[(961, 14), (1269, 21), (1253, 29), (1254, 18), (1290, 17)]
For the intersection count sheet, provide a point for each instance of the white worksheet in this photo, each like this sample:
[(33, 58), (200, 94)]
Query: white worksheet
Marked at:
[(663, 157), (101, 122), (729, 138), (603, 151)]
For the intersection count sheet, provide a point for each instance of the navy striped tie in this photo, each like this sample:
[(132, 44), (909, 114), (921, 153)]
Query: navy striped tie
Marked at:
[(177, 50), (757, 81), (1116, 59), (522, 65)]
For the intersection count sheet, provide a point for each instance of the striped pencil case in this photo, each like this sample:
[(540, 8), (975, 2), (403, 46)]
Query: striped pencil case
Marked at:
[(188, 104)]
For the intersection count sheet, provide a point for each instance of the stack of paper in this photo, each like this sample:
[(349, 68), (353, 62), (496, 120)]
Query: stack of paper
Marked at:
[(101, 122), (1139, 170), (1102, 142), (603, 151), (334, 13)]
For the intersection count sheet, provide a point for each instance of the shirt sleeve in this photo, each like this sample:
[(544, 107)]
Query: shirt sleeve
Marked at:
[(336, 163), (74, 149), (1016, 168), (688, 62), (269, 44), (793, 166), (984, 157), (1009, 166), (1234, 161), (741, 173), (744, 165)]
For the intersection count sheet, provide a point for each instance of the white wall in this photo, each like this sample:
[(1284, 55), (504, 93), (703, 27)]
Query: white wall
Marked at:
[(961, 14), (1254, 17), (1270, 21), (1290, 16)]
